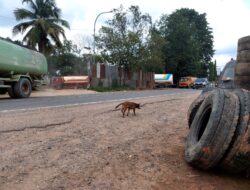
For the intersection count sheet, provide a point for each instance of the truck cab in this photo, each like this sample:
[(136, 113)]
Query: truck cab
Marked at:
[(186, 82)]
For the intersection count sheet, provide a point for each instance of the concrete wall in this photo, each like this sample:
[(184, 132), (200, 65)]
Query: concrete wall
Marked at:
[(109, 75)]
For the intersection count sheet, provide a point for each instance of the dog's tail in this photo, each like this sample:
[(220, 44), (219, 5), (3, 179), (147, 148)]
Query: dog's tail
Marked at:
[(118, 105)]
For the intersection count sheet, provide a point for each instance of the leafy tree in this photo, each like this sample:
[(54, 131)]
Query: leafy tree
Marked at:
[(44, 24), (129, 40), (212, 71), (17, 42), (155, 59), (189, 43), (66, 59), (66, 48)]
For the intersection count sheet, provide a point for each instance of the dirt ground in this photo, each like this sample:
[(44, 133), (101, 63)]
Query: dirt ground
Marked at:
[(63, 92), (46, 91), (93, 147)]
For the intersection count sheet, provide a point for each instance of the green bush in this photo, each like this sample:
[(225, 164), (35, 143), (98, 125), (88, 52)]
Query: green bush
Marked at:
[(110, 89)]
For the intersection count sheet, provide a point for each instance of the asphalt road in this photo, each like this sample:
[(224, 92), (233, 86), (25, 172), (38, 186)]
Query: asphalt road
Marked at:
[(60, 101)]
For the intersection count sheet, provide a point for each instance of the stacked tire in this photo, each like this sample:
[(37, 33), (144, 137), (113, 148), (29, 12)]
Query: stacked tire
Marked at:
[(219, 133), (242, 70)]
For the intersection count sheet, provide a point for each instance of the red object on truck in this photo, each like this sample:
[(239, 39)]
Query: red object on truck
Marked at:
[(70, 82)]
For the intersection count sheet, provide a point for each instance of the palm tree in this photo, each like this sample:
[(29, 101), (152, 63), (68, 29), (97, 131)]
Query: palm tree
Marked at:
[(44, 24)]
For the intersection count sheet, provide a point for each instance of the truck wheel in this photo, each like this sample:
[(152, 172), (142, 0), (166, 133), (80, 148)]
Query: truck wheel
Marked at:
[(22, 88), (237, 158), (3, 90), (11, 92), (212, 129)]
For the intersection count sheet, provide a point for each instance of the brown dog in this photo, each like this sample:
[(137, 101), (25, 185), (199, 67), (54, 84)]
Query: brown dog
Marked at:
[(128, 106)]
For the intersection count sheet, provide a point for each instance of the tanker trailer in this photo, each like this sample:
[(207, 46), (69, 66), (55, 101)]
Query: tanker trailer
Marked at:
[(21, 69)]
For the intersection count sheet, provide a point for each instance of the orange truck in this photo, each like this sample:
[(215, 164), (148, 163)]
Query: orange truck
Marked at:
[(186, 82)]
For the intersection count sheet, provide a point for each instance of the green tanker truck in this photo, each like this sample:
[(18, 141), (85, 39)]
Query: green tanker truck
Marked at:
[(21, 70)]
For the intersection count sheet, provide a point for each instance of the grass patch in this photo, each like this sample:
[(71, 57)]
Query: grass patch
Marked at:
[(109, 89)]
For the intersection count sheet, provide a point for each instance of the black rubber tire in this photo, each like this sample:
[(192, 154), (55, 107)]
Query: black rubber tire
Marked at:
[(237, 158), (243, 43), (212, 129), (243, 46), (193, 108), (23, 88), (242, 69), (3, 90), (243, 56), (11, 92), (242, 82), (207, 89)]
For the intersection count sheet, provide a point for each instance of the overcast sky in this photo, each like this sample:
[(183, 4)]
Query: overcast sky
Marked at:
[(229, 19)]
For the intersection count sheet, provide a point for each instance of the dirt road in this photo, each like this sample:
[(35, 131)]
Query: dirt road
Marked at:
[(93, 147)]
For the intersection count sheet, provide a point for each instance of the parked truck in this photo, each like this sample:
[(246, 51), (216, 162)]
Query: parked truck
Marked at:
[(163, 80), (186, 82), (21, 70)]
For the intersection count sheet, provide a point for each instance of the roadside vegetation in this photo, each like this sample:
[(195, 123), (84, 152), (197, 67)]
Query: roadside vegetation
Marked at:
[(110, 89), (180, 43)]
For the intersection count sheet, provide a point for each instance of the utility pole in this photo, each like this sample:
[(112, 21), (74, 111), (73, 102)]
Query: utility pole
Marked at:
[(113, 10)]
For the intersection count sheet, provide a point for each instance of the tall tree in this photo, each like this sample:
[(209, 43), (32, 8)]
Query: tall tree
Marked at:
[(128, 40), (65, 60), (189, 43), (44, 24), (212, 71)]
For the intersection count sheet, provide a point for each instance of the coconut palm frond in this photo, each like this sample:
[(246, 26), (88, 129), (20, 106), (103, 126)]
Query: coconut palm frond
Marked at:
[(60, 22), (31, 4), (63, 23), (21, 14), (56, 30), (22, 27), (46, 23), (32, 37), (41, 23), (55, 38)]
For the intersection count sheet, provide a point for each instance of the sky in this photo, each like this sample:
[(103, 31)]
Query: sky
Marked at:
[(229, 19)]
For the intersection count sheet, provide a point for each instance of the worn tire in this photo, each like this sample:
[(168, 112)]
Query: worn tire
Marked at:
[(242, 82), (243, 56), (207, 89), (193, 108), (212, 129), (237, 158), (243, 43), (23, 88), (242, 69)]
